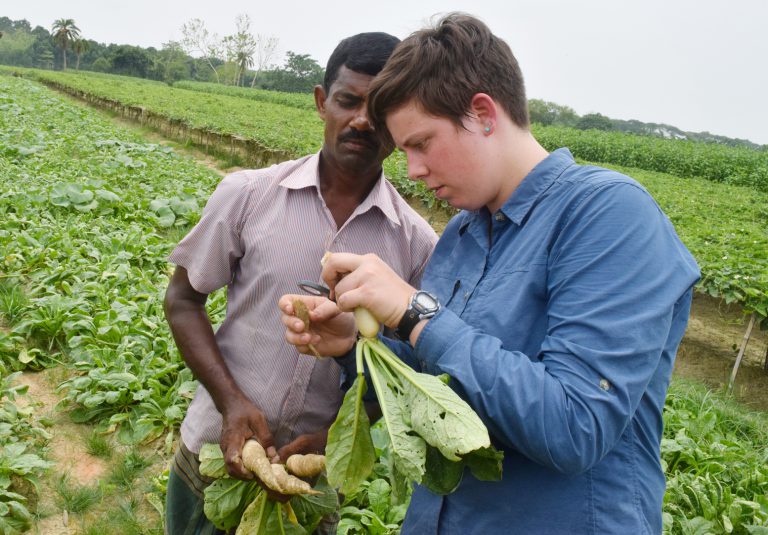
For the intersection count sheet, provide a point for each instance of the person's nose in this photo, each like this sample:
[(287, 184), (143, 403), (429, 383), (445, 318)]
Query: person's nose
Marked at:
[(360, 120), (417, 170)]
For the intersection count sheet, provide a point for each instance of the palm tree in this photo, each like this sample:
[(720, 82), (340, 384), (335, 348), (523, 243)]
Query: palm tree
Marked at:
[(244, 60), (79, 47), (64, 31)]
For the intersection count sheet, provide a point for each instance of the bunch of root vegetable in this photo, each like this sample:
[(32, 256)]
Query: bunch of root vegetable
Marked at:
[(232, 502)]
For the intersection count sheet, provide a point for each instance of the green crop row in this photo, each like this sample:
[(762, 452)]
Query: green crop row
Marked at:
[(683, 158), (272, 126), (724, 225), (90, 214), (304, 101)]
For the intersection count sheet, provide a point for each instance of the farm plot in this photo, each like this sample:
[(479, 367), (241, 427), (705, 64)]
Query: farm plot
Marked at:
[(723, 225), (90, 215)]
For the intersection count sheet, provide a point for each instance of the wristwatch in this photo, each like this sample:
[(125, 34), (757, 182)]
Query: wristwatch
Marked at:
[(423, 305)]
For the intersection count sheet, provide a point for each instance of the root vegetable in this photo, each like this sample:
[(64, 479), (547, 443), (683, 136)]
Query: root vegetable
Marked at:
[(255, 459), (366, 323), (308, 465), (288, 484), (302, 312)]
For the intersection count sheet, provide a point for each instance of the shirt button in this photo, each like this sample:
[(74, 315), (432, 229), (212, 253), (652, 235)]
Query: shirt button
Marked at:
[(499, 216), (605, 385), (466, 296)]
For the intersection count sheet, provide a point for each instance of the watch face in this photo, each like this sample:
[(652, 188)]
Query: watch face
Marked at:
[(424, 303)]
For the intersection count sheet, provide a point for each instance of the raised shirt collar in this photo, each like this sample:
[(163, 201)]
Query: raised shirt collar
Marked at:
[(308, 175), (531, 188)]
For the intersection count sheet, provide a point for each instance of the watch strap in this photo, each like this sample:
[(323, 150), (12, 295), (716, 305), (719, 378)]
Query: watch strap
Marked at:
[(410, 319)]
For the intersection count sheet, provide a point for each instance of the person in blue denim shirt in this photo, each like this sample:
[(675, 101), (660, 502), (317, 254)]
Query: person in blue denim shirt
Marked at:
[(556, 299)]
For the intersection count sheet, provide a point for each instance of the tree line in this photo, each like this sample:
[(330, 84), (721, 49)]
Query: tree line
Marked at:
[(241, 58), (549, 113)]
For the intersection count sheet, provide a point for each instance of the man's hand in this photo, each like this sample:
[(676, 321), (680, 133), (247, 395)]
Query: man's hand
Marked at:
[(332, 332), (243, 420), (309, 443), (367, 281)]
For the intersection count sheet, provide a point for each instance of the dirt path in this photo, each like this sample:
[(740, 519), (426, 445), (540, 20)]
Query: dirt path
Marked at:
[(76, 469)]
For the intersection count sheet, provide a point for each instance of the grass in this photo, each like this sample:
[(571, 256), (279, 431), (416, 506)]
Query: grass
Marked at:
[(12, 302), (97, 445), (128, 468), (77, 498)]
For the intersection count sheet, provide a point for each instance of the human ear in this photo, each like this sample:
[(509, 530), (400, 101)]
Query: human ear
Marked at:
[(320, 97), (484, 110)]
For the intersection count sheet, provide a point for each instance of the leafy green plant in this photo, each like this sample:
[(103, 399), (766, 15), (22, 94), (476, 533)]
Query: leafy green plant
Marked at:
[(433, 433), (97, 445), (233, 503), (20, 468), (716, 465)]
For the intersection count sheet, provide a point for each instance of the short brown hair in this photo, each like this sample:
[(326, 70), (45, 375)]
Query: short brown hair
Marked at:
[(443, 67)]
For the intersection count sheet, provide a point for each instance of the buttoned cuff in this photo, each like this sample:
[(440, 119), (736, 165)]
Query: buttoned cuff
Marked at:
[(438, 335)]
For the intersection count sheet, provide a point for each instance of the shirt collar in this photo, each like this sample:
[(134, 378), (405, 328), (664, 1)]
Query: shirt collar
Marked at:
[(534, 184), (308, 175)]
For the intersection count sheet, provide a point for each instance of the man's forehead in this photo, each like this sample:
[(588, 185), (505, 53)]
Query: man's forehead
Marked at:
[(350, 81)]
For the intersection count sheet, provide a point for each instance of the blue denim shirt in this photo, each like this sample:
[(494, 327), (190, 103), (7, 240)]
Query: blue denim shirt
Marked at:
[(562, 315)]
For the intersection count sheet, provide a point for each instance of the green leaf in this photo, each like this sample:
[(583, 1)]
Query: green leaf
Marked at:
[(309, 508), (212, 461), (485, 464), (379, 493), (255, 516), (107, 195), (438, 414), (408, 449), (350, 455), (225, 501), (443, 475), (165, 216)]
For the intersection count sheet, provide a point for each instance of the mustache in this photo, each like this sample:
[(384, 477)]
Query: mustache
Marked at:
[(364, 137)]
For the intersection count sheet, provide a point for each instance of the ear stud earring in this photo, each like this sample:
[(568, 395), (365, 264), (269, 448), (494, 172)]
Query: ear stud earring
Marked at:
[(488, 129)]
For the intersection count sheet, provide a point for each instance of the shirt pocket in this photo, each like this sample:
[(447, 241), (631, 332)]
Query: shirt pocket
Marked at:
[(511, 304), (444, 288)]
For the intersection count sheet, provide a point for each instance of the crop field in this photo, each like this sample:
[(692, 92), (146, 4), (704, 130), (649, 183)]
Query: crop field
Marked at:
[(91, 210)]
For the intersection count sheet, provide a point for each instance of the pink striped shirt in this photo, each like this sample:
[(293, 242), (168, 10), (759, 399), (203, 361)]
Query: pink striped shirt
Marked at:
[(260, 233)]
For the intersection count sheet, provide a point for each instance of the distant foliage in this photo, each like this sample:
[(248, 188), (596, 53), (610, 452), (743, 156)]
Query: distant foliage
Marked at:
[(550, 114), (720, 163), (594, 121), (303, 101)]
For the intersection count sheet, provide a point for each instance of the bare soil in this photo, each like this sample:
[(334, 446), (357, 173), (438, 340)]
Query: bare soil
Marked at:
[(708, 351)]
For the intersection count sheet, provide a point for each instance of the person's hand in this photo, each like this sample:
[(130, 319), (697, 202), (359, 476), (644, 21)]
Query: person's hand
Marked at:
[(332, 332), (308, 443), (242, 420), (367, 281)]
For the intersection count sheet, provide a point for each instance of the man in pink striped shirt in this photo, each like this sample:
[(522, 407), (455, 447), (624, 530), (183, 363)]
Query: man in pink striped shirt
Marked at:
[(261, 232)]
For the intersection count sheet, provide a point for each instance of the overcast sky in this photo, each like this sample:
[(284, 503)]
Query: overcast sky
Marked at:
[(695, 64)]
